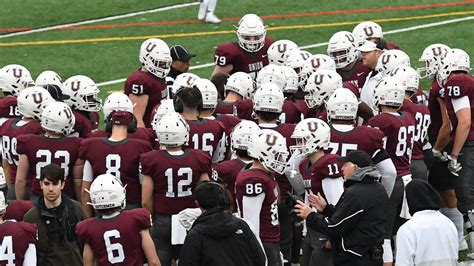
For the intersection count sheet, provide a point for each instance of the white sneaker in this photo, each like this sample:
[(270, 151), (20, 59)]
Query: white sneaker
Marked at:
[(202, 11), (211, 18), (463, 245)]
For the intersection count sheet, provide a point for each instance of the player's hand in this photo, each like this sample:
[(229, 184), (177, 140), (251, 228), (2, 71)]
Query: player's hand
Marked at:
[(302, 210), (440, 156), (453, 166), (317, 201)]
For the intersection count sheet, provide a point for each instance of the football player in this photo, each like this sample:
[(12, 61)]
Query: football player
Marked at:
[(52, 82), (257, 191), (206, 11), (322, 174), (37, 151), (239, 86), (372, 31), (31, 103), (17, 239), (167, 187), (321, 84), (249, 54), (17, 209), (279, 51), (146, 86), (115, 236), (291, 106), (296, 60), (118, 155), (13, 79), (399, 129), (83, 98)]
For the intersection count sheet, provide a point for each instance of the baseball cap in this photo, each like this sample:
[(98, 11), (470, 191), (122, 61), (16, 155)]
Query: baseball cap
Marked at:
[(369, 46), (359, 158), (56, 92), (178, 52)]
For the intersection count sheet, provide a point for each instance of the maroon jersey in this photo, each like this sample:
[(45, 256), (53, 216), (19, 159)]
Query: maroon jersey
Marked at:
[(419, 97), (227, 171), (83, 125), (399, 132), (174, 177), (15, 237), (362, 138), (205, 134), (291, 112), (226, 107), (326, 167), (357, 75), (457, 87), (245, 109), (17, 209), (116, 240), (42, 151), (145, 134), (436, 92), (94, 120), (144, 83), (392, 46), (119, 158), (241, 60), (229, 122), (10, 131), (352, 87), (251, 183), (423, 120), (305, 171), (8, 108)]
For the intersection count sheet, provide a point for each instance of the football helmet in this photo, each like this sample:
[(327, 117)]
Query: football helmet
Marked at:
[(251, 33), (296, 61), (49, 77), (166, 106), (408, 76), (83, 93), (58, 118), (32, 101), (313, 64), (155, 56), (172, 130), (268, 98), (117, 101), (271, 74), (321, 84), (240, 83), (3, 202), (367, 30), (342, 105), (107, 192), (454, 60), (311, 135), (431, 57), (279, 51), (389, 92), (291, 85), (342, 48), (209, 93), (240, 136), (184, 80), (15, 78), (391, 59), (269, 148)]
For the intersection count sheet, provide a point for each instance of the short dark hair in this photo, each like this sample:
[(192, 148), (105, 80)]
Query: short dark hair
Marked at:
[(219, 80), (190, 97), (243, 153), (267, 116), (53, 173), (210, 194)]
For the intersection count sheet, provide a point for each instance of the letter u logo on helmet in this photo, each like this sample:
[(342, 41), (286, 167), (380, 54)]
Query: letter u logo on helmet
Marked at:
[(75, 85), (369, 31), (315, 62), (312, 126), (281, 47), (350, 37), (149, 47), (17, 72), (305, 56), (385, 59), (318, 79), (271, 140), (436, 51), (37, 97)]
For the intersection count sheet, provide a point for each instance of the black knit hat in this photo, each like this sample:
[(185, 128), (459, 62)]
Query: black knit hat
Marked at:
[(422, 196)]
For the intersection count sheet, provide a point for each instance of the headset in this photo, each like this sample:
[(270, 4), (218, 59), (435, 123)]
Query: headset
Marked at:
[(131, 127)]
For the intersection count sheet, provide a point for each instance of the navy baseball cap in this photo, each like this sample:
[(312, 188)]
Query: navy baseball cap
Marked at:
[(178, 52)]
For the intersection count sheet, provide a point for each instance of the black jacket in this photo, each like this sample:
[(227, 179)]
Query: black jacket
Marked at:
[(356, 224), (218, 238)]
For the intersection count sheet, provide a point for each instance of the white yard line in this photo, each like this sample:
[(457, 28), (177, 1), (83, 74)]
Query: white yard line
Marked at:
[(138, 13)]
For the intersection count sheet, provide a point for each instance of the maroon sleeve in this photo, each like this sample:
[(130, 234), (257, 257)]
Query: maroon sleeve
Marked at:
[(205, 162), (84, 149), (136, 84), (146, 162), (81, 231), (223, 55), (143, 218), (31, 232), (458, 87), (352, 87), (22, 143)]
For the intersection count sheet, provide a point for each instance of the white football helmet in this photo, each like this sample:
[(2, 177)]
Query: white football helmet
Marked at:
[(431, 58), (184, 80), (271, 74), (313, 64), (342, 48), (209, 93), (49, 77), (291, 85), (312, 135), (279, 51), (15, 78), (391, 59), (240, 136), (342, 105), (172, 130), (268, 98), (296, 61), (408, 76), (269, 147), (389, 92), (320, 87), (83, 93), (240, 83), (32, 101), (58, 118), (454, 60), (367, 30), (117, 101), (166, 107), (251, 33), (107, 192), (155, 56)]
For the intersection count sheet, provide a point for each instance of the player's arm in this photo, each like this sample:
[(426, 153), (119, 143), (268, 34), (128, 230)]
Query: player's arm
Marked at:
[(462, 107), (87, 178), (149, 248), (7, 172), (443, 138), (88, 256), (77, 171), (147, 193), (204, 177), (30, 255), (252, 202), (140, 102), (222, 70), (387, 169), (21, 176), (364, 111)]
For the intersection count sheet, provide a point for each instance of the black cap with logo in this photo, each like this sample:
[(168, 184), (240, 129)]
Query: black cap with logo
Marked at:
[(178, 52)]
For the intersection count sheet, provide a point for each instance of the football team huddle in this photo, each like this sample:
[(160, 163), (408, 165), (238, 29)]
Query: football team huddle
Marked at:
[(270, 127)]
